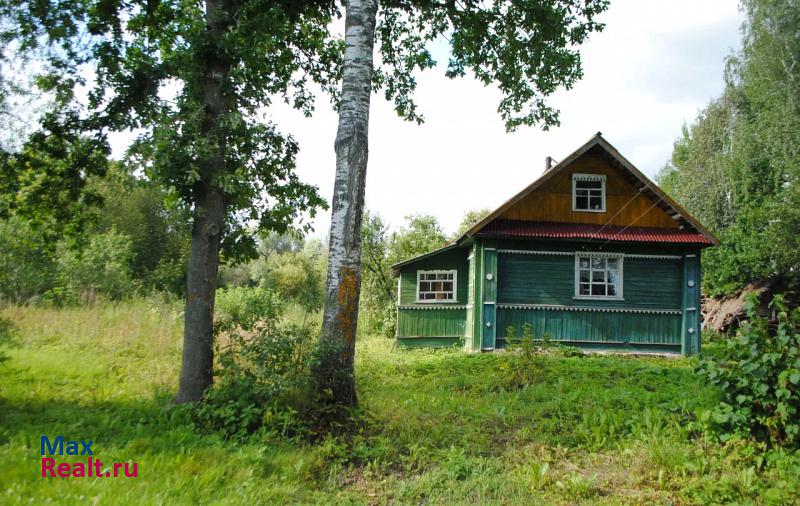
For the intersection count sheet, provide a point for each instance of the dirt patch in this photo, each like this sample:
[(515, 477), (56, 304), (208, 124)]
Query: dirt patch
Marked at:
[(725, 314)]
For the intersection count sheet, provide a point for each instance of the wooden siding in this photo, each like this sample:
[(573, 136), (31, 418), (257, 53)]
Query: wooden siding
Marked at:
[(452, 259), (594, 327), (550, 279), (553, 200), (442, 322)]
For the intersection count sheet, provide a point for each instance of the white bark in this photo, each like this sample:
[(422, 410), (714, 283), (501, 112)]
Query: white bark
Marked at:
[(344, 251)]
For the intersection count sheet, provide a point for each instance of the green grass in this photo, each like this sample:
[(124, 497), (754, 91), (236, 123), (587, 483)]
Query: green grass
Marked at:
[(442, 427)]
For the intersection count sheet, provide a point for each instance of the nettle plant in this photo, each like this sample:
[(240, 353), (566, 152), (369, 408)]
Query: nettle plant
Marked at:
[(758, 373)]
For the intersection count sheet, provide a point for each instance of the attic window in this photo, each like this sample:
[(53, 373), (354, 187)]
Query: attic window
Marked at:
[(589, 192), (436, 286)]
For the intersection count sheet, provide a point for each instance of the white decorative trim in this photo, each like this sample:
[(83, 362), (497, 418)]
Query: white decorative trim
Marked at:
[(534, 252), (489, 302), (589, 177), (588, 253), (489, 249), (559, 307), (454, 272), (600, 254), (691, 255), (439, 306)]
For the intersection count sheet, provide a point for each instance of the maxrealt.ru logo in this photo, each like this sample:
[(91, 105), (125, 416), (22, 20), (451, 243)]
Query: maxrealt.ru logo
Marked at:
[(92, 468)]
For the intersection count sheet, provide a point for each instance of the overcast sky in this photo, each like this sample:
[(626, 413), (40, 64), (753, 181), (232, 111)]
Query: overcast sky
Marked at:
[(653, 67)]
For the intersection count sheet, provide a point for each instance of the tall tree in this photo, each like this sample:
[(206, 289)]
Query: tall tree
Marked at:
[(196, 79), (737, 165), (470, 219), (527, 47)]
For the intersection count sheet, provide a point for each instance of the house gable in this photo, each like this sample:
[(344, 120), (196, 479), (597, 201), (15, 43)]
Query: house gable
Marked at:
[(625, 204), (638, 201)]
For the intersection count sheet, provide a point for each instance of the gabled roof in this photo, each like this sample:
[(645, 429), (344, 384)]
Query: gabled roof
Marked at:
[(647, 187), (692, 231)]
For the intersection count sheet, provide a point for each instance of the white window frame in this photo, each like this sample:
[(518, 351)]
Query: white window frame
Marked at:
[(454, 272), (620, 260), (589, 177)]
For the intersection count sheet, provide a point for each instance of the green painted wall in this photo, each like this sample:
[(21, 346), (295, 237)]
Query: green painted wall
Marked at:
[(452, 259), (431, 322), (594, 327), (550, 279), (648, 284)]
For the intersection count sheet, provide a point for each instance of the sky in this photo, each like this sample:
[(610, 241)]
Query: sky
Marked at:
[(652, 69)]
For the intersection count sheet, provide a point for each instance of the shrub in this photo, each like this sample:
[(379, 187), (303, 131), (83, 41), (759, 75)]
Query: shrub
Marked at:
[(26, 269), (758, 374), (264, 375), (525, 365), (101, 268), (6, 336)]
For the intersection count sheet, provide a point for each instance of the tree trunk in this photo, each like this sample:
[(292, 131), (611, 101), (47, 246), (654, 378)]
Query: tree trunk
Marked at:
[(335, 374), (197, 365), (198, 331)]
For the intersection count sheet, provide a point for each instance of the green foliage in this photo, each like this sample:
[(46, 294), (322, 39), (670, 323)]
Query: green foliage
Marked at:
[(27, 269), (101, 268), (736, 168), (421, 234), (7, 330), (436, 430), (758, 374), (470, 219), (525, 365), (377, 312), (136, 52), (264, 380), (157, 227), (379, 251), (291, 267), (527, 48), (46, 181)]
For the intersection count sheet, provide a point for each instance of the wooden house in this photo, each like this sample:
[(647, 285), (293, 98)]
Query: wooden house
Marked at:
[(592, 253)]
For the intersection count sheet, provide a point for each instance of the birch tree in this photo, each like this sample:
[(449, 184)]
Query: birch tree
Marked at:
[(527, 48)]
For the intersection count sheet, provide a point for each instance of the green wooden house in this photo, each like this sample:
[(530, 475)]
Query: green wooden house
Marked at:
[(592, 253)]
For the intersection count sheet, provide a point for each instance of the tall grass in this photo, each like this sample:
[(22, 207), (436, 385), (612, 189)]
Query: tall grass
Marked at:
[(440, 427)]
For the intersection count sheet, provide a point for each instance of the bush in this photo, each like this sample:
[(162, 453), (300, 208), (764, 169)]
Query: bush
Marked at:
[(26, 269), (265, 380), (101, 268), (6, 336), (525, 365), (758, 374)]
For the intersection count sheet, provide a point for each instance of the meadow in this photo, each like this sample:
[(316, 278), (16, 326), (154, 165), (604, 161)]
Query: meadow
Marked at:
[(437, 427)]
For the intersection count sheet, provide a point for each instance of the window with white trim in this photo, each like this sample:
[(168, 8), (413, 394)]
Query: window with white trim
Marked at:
[(589, 192), (436, 286), (598, 276)]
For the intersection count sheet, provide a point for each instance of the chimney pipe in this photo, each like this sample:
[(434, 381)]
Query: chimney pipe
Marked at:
[(548, 163)]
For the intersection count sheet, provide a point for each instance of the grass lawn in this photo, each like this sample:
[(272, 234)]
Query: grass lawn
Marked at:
[(443, 427)]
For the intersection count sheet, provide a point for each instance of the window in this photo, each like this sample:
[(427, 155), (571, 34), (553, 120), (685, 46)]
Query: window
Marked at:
[(436, 286), (598, 276), (589, 192)]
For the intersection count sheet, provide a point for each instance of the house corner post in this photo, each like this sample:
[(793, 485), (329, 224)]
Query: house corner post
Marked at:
[(489, 285), (476, 292), (690, 304)]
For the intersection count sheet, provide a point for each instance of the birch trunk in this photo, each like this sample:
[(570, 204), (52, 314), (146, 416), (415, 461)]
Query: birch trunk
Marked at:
[(197, 362), (344, 251)]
